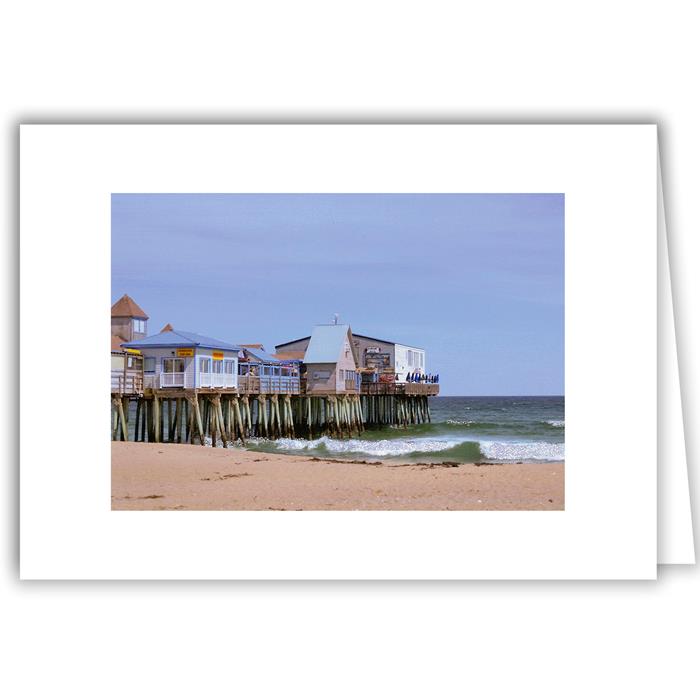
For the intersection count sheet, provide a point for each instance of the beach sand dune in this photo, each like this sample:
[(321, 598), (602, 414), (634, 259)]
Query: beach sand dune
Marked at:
[(190, 477)]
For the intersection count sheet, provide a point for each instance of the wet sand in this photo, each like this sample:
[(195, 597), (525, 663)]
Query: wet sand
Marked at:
[(190, 477)]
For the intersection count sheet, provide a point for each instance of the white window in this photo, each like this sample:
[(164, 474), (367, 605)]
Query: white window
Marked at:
[(173, 365), (149, 364), (218, 366), (139, 325), (414, 358), (322, 374), (205, 364), (228, 366)]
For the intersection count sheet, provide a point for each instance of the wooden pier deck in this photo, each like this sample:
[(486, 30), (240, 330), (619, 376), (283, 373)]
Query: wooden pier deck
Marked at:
[(399, 389)]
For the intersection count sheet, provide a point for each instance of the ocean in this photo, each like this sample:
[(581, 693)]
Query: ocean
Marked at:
[(463, 429)]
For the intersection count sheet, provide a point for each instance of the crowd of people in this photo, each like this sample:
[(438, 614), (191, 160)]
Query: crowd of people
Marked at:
[(417, 377), (369, 377)]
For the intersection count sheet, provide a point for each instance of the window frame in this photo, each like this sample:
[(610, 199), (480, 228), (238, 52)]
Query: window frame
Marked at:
[(179, 360)]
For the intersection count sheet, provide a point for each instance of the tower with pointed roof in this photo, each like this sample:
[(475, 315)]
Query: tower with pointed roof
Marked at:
[(129, 320)]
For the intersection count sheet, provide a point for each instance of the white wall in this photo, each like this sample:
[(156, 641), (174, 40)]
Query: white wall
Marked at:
[(159, 354), (201, 353), (408, 359)]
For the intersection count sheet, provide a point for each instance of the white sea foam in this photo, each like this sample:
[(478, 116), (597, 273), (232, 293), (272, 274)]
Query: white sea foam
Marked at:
[(493, 450), (555, 423), (522, 450), (373, 448)]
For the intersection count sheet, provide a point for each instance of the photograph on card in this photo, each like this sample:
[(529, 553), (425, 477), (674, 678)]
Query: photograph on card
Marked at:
[(345, 351)]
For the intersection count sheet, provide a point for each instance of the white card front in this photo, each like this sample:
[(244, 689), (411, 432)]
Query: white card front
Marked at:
[(74, 178)]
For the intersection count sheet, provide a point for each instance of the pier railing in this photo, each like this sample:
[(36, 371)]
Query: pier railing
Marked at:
[(176, 380), (127, 382), (399, 389), (172, 379), (215, 380), (249, 384)]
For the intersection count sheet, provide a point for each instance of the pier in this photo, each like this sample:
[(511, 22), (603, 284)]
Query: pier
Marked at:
[(211, 416), (181, 387)]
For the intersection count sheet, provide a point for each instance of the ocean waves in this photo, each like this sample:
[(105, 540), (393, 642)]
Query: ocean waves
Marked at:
[(438, 449), (372, 448), (464, 429), (555, 423), (523, 451), (525, 429)]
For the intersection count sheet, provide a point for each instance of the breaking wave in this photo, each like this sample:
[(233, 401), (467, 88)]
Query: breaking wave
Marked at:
[(435, 449), (555, 423), (523, 451), (374, 448)]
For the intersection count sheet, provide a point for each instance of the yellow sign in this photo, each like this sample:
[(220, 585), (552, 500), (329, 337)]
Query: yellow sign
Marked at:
[(216, 355), (185, 352), (133, 351)]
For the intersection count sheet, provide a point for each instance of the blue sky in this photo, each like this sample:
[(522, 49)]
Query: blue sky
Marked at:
[(475, 279)]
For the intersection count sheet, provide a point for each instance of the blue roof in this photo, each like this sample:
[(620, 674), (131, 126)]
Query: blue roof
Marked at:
[(326, 343), (180, 339), (258, 354)]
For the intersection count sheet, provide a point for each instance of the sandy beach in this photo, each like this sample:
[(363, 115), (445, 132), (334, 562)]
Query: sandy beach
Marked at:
[(190, 477)]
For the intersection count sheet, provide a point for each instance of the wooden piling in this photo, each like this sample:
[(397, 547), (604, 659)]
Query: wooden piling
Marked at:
[(262, 407), (239, 420), (115, 420), (177, 434), (213, 419), (122, 419), (197, 420), (230, 425), (219, 420), (189, 419), (137, 419), (290, 416)]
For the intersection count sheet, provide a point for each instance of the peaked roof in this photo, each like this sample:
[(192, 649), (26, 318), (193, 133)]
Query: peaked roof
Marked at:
[(253, 352), (258, 346), (166, 327), (126, 306), (179, 339), (291, 342), (327, 343)]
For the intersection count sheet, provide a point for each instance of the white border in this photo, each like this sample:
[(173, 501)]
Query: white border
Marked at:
[(608, 174)]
